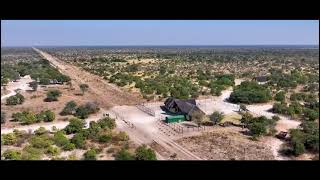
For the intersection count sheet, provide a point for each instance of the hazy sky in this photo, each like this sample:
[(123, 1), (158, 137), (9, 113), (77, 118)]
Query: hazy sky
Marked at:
[(155, 32)]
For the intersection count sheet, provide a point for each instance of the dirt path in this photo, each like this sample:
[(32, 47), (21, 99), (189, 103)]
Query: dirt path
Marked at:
[(22, 83), (108, 94)]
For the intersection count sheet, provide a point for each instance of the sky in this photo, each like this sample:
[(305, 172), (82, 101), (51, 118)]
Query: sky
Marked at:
[(158, 32)]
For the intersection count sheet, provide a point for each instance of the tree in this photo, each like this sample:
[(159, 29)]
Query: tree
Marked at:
[(257, 128), (3, 117), (197, 117), (107, 122), (60, 139), (280, 96), (16, 76), (242, 107), (14, 100), (84, 87), (53, 95), (90, 155), (78, 140), (276, 118), (8, 139), (69, 109), (12, 154), (216, 117), (124, 154), (310, 114), (40, 131), (34, 85), (82, 112), (75, 126), (144, 153), (297, 139)]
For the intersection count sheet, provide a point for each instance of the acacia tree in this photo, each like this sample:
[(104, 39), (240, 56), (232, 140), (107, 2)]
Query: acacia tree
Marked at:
[(216, 117), (34, 85), (84, 87)]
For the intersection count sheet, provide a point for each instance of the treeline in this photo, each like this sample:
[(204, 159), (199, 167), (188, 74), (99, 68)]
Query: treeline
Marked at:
[(38, 70)]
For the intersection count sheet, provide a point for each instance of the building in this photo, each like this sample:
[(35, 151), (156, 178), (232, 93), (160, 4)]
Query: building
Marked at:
[(261, 79), (182, 107)]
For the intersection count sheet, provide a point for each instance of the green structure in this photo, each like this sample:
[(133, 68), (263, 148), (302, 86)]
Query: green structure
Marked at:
[(178, 118)]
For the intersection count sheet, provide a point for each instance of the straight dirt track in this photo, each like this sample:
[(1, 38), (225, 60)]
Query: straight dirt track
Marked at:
[(108, 95)]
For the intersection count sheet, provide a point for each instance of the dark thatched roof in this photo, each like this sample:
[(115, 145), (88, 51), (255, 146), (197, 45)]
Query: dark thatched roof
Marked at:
[(261, 78), (184, 106)]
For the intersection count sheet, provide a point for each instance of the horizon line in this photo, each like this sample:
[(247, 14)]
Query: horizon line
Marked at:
[(162, 45)]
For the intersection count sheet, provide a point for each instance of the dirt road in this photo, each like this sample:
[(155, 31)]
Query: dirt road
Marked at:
[(108, 95), (22, 83)]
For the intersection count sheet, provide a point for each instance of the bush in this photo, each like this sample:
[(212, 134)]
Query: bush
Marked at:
[(40, 131), (144, 153), (78, 140), (53, 151), (75, 126), (92, 107), (216, 117), (3, 117), (14, 100), (84, 87), (82, 112), (297, 139), (31, 153), (69, 109), (69, 147), (34, 85), (90, 155), (280, 96), (8, 139), (11, 154), (60, 139), (42, 141), (250, 92), (53, 95), (46, 116), (25, 117), (107, 122), (104, 138), (276, 118), (257, 128), (310, 114), (124, 154)]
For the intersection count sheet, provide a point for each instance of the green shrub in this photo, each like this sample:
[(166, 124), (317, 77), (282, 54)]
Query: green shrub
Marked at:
[(8, 139), (69, 147), (78, 140), (60, 139), (144, 153), (69, 109), (90, 155), (40, 131), (3, 117), (42, 141), (280, 96), (31, 153), (250, 92), (16, 99), (11, 154), (107, 123), (53, 95), (216, 117), (75, 126), (124, 154)]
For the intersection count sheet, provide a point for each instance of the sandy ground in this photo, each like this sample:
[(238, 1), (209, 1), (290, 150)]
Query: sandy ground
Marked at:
[(20, 84)]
